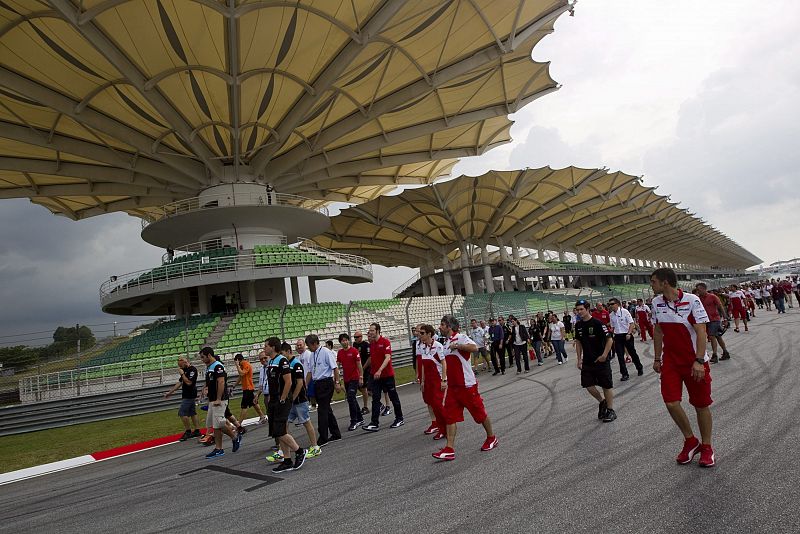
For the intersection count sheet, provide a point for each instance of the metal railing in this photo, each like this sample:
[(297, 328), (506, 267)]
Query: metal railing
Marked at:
[(405, 285), (208, 266), (190, 205), (218, 243)]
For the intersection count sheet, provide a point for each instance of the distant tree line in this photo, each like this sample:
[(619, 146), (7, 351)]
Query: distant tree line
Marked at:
[(65, 343)]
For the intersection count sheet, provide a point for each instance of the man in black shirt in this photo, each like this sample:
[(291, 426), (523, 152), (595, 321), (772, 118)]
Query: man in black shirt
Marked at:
[(594, 342), (279, 375), (187, 381), (363, 348), (217, 391)]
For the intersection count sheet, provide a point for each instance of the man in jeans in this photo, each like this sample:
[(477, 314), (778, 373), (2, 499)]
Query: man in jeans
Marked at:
[(622, 325), (188, 384), (325, 374), (350, 360), (380, 350)]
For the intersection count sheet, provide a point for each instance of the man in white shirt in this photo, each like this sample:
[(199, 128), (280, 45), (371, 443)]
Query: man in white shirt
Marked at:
[(478, 335), (767, 295), (623, 325), (325, 373)]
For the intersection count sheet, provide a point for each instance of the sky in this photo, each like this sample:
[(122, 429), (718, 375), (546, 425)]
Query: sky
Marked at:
[(700, 98)]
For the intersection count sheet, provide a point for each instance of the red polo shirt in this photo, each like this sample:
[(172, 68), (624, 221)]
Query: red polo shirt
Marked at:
[(378, 350), (349, 358)]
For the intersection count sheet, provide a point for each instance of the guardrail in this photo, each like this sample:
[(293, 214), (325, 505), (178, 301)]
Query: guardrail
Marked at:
[(190, 205), (207, 266), (405, 285), (219, 243)]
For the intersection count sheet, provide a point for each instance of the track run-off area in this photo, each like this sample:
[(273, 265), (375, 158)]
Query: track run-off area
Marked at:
[(556, 469)]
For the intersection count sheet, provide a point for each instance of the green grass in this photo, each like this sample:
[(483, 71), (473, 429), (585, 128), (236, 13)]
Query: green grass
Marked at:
[(45, 446)]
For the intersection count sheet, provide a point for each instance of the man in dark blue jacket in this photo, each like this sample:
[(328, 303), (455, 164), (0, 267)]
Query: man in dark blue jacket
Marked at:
[(497, 336)]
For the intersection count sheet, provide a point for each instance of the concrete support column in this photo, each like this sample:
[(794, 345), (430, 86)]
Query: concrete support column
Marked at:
[(295, 290), (507, 280), (488, 281), (312, 289), (251, 295), (562, 256), (178, 304), (426, 289), (520, 282), (514, 249), (433, 285), (593, 258), (467, 281), (579, 256), (448, 281), (202, 300), (540, 254), (566, 281)]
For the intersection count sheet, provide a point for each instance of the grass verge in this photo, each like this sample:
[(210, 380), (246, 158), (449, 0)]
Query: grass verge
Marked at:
[(45, 446)]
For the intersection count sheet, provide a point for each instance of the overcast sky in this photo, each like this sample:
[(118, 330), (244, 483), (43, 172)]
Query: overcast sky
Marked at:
[(702, 98)]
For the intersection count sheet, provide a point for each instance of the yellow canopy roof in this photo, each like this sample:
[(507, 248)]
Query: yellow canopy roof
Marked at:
[(124, 105)]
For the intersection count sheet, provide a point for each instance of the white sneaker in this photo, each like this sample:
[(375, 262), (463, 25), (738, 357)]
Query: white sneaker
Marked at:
[(560, 363)]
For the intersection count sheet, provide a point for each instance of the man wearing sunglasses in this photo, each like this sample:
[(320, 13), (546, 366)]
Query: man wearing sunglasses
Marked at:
[(622, 325)]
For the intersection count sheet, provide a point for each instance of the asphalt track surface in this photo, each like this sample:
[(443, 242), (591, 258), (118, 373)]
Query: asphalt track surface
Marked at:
[(557, 468)]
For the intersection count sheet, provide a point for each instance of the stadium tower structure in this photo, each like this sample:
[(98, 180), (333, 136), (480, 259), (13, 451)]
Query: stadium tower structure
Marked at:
[(228, 126)]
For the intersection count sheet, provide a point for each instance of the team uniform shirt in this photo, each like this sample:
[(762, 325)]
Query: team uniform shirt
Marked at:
[(247, 376), (431, 359), (592, 335), (189, 391), (277, 368), (349, 358), (621, 321), (298, 377), (477, 334), (643, 313), (555, 331), (378, 352), (602, 316), (459, 369), (736, 299), (676, 320), (213, 372), (711, 303)]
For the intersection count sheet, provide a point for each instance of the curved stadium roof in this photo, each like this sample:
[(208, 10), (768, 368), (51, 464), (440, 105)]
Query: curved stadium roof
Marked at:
[(124, 105), (579, 210)]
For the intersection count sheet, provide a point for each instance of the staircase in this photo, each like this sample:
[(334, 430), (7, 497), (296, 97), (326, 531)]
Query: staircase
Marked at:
[(215, 335)]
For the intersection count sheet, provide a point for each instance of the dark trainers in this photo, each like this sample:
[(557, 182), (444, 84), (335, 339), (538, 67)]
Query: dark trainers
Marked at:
[(286, 465), (397, 423), (386, 411), (215, 453), (364, 410), (186, 435), (371, 428), (237, 443), (601, 411), (609, 416), (714, 359), (355, 425), (299, 459), (196, 433), (726, 355)]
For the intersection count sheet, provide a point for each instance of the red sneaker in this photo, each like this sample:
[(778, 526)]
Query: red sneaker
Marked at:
[(691, 446), (706, 456), (446, 453), (489, 444), (439, 435), (433, 429)]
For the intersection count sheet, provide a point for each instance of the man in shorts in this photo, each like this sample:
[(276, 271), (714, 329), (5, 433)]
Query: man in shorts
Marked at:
[(461, 388), (248, 389), (594, 341), (187, 381), (299, 414), (715, 311), (217, 388), (279, 374), (680, 336)]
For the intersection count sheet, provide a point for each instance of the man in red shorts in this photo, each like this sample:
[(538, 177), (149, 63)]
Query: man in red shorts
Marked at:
[(432, 368), (462, 388), (737, 307), (643, 318), (680, 335)]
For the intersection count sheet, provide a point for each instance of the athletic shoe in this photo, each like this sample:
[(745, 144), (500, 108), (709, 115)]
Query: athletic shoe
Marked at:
[(726, 355), (706, 456), (601, 411), (215, 453), (275, 457), (371, 428), (355, 425), (691, 446), (275, 448), (560, 363), (496, 373), (640, 372), (186, 435), (540, 364), (609, 416), (196, 433), (262, 420), (432, 429), (386, 411), (489, 444), (397, 423), (312, 408), (439, 435), (714, 359), (566, 359), (313, 452), (624, 378), (299, 459), (446, 453), (286, 465), (332, 439), (237, 443), (322, 442), (364, 410)]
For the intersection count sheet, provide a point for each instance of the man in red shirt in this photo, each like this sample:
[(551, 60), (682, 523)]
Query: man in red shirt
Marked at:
[(643, 318), (461, 388), (380, 355), (601, 314), (432, 368), (716, 311), (350, 360)]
